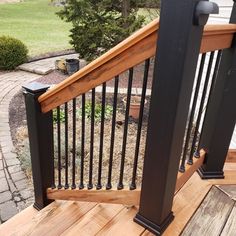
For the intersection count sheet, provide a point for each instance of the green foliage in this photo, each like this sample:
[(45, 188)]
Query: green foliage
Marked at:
[(150, 3), (62, 116), (97, 111), (12, 53), (99, 25)]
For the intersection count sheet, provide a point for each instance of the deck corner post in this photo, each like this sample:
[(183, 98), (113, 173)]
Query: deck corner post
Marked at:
[(40, 130), (178, 47), (220, 117)]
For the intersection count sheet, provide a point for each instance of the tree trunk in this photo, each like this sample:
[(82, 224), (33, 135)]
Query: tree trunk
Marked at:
[(125, 8)]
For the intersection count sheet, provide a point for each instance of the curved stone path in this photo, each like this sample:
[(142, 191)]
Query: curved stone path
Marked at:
[(16, 192)]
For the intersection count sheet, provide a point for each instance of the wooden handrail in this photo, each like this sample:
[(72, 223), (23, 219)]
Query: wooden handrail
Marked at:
[(132, 51)]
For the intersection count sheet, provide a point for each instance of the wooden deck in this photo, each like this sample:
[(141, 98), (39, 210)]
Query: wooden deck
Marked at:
[(193, 204)]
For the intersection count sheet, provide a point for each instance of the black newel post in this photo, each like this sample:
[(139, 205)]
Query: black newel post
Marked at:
[(40, 129), (179, 39), (220, 116)]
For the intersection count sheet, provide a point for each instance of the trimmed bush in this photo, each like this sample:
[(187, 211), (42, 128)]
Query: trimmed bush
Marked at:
[(12, 53)]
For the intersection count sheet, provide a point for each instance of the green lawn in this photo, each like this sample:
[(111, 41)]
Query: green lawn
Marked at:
[(36, 24)]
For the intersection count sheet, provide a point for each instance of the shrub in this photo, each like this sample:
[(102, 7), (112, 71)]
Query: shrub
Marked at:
[(99, 25), (12, 53)]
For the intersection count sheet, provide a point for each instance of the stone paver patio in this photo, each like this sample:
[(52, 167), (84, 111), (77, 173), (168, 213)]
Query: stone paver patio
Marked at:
[(16, 192), (43, 67)]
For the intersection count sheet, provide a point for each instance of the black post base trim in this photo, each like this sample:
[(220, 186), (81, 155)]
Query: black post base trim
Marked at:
[(210, 174), (152, 227), (38, 206)]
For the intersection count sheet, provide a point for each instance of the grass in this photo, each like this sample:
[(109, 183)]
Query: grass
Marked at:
[(35, 23)]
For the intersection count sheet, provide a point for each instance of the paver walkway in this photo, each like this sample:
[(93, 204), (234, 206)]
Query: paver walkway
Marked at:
[(15, 190), (45, 66)]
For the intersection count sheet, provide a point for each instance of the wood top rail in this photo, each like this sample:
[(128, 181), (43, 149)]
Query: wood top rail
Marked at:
[(130, 52)]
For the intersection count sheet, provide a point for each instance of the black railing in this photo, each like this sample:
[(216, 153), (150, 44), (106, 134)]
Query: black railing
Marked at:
[(204, 83), (100, 118), (97, 143)]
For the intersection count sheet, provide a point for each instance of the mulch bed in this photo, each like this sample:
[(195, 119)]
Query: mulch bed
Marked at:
[(20, 136)]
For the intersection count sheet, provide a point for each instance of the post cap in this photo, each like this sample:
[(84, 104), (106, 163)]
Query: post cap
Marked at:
[(36, 87)]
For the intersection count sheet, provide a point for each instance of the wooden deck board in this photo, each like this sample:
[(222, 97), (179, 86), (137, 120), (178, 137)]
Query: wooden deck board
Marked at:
[(56, 222), (230, 190), (186, 202), (230, 227), (80, 218), (211, 216), (18, 220), (98, 217), (123, 224)]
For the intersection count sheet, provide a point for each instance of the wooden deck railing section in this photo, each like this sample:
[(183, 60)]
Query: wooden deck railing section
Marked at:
[(170, 115), (125, 196)]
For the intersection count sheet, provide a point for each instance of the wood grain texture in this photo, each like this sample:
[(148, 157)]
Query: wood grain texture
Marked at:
[(211, 216), (16, 222), (230, 178), (123, 224), (54, 219), (98, 217), (126, 59), (186, 201), (229, 189), (126, 197), (230, 226), (60, 216), (231, 156), (130, 52)]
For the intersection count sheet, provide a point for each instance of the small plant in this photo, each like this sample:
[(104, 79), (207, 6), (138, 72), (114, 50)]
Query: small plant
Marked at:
[(12, 53), (97, 111), (62, 116)]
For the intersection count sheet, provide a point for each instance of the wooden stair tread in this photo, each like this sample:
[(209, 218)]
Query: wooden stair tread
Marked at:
[(64, 217), (215, 210), (18, 220), (94, 220), (230, 226), (123, 224)]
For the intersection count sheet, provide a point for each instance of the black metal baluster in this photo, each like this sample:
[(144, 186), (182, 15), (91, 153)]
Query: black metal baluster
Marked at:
[(140, 122), (73, 186), (190, 123), (197, 153), (81, 185), (59, 146), (122, 163), (99, 184), (109, 185), (190, 161), (90, 184), (66, 146), (53, 152)]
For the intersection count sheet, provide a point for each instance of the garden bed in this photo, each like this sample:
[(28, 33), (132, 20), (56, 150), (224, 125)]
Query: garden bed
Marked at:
[(20, 136)]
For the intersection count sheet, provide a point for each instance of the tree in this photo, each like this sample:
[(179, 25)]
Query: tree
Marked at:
[(98, 25)]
